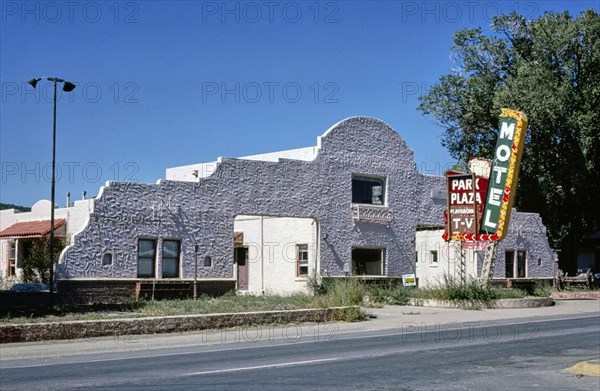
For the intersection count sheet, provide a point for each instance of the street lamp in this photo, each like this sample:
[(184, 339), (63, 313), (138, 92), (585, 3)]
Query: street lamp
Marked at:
[(67, 87), (195, 292)]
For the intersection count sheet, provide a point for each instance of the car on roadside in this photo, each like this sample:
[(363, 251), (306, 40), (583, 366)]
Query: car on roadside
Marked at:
[(30, 287)]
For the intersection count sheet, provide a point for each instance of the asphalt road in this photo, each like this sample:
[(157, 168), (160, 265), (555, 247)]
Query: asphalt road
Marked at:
[(523, 354)]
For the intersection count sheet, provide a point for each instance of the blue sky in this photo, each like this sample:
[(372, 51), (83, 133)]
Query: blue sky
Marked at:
[(163, 84)]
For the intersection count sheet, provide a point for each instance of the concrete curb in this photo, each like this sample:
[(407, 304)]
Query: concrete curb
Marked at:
[(28, 332), (495, 304), (585, 368)]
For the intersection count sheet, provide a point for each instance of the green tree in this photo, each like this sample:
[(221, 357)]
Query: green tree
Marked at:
[(36, 265), (549, 69)]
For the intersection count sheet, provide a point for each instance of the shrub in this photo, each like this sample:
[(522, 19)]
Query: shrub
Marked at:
[(541, 289), (36, 265)]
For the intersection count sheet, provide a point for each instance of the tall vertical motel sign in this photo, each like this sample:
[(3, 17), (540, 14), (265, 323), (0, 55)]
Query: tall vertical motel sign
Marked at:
[(502, 184)]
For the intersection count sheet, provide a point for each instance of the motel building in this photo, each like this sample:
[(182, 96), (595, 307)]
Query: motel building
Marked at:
[(271, 223)]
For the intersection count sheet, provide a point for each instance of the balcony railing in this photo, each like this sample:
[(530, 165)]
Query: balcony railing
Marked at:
[(371, 214)]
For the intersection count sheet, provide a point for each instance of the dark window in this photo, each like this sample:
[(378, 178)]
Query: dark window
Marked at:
[(146, 257), (107, 259), (368, 190), (521, 264), (367, 261), (509, 257), (302, 260), (207, 261), (416, 256), (434, 256), (170, 258)]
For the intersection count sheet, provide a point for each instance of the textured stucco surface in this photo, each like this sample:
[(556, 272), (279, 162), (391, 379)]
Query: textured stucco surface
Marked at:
[(204, 212), (526, 231)]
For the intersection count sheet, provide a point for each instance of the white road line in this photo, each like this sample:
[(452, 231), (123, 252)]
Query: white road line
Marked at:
[(286, 364)]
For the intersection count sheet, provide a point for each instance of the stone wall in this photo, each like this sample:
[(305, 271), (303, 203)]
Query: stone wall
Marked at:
[(86, 329)]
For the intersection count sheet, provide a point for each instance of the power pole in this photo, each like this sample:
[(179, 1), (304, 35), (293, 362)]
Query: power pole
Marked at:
[(488, 262)]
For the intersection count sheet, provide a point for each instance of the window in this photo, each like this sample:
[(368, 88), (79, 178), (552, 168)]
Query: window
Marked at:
[(170, 258), (416, 257), (302, 260), (207, 261), (146, 257), (509, 260), (516, 269), (368, 190), (107, 259), (367, 261), (434, 256), (521, 264), (12, 258)]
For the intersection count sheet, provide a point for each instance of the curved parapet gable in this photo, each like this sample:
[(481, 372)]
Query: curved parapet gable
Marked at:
[(293, 184)]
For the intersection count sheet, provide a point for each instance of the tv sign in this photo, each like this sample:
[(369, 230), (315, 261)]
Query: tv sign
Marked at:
[(466, 193), (503, 177)]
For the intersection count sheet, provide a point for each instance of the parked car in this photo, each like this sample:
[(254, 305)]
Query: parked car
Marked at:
[(30, 287)]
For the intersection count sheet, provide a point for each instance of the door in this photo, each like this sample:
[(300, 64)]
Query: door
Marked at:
[(509, 259), (241, 259)]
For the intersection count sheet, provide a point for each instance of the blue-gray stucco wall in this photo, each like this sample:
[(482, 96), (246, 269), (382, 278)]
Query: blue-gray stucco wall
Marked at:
[(203, 213)]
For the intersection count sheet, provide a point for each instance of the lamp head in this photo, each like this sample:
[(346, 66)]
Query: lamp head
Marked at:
[(34, 81), (68, 86)]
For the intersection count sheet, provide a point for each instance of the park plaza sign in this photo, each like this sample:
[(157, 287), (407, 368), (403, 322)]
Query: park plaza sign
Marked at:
[(467, 217), (466, 194)]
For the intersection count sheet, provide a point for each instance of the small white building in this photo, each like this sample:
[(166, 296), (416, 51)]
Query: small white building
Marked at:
[(522, 255), (437, 260), (275, 255), (19, 229)]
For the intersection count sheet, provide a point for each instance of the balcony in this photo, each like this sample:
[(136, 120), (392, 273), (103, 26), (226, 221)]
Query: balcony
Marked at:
[(371, 214)]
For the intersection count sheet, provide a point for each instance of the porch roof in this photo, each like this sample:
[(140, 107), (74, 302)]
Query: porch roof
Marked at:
[(29, 229)]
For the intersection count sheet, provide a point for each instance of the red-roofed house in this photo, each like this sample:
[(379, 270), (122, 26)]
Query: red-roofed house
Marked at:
[(19, 229)]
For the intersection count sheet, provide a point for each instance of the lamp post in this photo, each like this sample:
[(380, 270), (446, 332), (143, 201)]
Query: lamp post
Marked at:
[(195, 294), (67, 87)]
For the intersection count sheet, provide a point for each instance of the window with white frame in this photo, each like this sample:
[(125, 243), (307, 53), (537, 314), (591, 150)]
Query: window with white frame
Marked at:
[(434, 256), (302, 260), (171, 250), (12, 258), (368, 190), (146, 258)]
